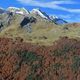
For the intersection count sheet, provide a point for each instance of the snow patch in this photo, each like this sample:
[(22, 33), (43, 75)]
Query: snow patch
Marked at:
[(39, 12)]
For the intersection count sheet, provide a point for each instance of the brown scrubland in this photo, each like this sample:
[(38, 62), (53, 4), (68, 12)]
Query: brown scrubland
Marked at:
[(25, 61)]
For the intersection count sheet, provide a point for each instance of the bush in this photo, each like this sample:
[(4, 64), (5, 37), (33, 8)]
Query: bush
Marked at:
[(64, 48), (32, 77), (29, 57), (61, 52), (76, 63), (57, 66)]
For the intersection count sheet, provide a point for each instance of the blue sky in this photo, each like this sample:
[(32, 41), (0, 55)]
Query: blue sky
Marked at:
[(67, 9)]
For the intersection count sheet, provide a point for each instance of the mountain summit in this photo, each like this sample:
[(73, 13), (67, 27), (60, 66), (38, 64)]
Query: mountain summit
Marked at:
[(18, 10), (37, 11)]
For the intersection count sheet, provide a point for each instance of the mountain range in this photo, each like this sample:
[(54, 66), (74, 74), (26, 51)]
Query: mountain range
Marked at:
[(35, 26), (37, 11), (37, 46)]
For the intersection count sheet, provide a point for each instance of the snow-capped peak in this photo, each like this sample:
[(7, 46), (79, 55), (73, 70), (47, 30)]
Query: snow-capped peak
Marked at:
[(18, 10), (40, 13), (25, 10), (57, 20), (53, 17), (12, 9)]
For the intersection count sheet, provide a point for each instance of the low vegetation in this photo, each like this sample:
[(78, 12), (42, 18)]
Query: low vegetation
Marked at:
[(25, 61), (75, 63)]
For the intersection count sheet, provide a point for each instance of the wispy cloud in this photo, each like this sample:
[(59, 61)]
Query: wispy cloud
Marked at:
[(74, 10), (68, 16), (51, 5)]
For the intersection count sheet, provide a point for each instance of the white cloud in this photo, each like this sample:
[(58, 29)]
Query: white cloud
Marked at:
[(75, 10), (52, 2), (65, 16), (51, 5)]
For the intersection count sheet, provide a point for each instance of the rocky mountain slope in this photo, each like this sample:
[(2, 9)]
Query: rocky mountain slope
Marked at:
[(36, 46), (35, 26)]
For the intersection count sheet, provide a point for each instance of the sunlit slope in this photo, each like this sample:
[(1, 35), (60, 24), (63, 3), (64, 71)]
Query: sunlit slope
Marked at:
[(43, 32)]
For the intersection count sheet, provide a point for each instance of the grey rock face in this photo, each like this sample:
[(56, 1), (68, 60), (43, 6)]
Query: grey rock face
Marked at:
[(26, 23), (5, 19), (27, 20)]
